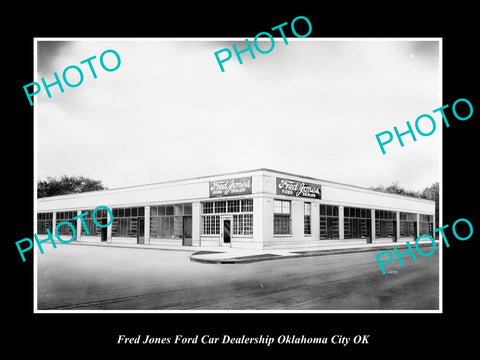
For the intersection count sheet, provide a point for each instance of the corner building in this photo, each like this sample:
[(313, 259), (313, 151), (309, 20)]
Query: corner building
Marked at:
[(260, 209)]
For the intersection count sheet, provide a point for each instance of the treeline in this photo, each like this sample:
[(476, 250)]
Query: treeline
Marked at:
[(430, 193), (64, 185)]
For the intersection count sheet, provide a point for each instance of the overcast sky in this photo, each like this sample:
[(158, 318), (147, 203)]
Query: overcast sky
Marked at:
[(311, 107)]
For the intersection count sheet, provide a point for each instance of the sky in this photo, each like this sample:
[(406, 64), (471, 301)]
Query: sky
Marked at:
[(311, 107)]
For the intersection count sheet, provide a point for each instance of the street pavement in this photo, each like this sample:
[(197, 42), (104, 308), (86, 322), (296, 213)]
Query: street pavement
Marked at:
[(78, 277)]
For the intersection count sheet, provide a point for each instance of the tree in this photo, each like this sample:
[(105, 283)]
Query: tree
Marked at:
[(395, 188), (432, 192), (52, 186)]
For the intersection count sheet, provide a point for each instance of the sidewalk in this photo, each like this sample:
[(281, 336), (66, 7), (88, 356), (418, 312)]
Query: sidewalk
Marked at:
[(223, 255)]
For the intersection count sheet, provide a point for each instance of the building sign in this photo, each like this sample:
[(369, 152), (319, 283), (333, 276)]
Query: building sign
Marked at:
[(298, 189), (231, 187)]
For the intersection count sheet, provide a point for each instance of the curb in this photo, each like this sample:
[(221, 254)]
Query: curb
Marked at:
[(268, 257)]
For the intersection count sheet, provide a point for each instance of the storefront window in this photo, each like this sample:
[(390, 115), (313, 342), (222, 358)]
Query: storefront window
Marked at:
[(44, 222), (357, 223), (187, 209), (408, 224), (68, 217), (234, 206), (168, 210), (329, 222), (100, 216), (426, 224), (242, 223), (166, 221), (125, 221), (178, 209), (247, 205), (208, 208), (220, 207), (385, 223), (211, 224), (281, 217)]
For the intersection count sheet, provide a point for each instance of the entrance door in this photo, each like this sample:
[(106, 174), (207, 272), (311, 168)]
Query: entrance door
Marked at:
[(394, 234), (103, 234), (226, 236), (187, 231), (140, 230)]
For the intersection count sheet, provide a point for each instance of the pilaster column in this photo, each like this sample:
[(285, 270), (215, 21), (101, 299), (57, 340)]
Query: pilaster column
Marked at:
[(373, 224), (146, 222), (341, 223)]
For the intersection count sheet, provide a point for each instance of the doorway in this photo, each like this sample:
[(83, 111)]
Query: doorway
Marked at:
[(226, 232), (140, 230), (103, 231), (187, 231)]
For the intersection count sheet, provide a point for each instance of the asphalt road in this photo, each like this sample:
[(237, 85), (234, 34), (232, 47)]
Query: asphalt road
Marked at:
[(77, 277)]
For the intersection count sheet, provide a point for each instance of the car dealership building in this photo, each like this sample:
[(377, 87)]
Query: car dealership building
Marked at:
[(260, 209)]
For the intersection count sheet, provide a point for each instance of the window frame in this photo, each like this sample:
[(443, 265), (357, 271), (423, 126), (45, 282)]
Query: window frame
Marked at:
[(307, 219)]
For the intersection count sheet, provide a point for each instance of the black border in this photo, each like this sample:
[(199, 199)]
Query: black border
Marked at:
[(95, 334)]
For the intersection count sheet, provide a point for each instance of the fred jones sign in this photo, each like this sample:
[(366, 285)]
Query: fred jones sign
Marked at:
[(298, 189), (231, 187)]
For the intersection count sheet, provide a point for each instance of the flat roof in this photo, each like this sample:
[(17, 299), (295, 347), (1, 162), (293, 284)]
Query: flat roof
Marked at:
[(239, 173)]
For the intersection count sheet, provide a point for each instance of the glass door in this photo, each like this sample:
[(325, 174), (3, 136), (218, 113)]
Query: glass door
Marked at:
[(187, 231), (226, 231)]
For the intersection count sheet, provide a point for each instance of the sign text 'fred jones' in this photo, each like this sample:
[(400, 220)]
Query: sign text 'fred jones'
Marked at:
[(298, 189), (231, 187)]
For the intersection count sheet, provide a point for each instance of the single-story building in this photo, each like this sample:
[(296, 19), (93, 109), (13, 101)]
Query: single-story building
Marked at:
[(261, 209)]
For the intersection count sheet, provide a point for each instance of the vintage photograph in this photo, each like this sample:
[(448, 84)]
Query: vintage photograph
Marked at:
[(164, 184)]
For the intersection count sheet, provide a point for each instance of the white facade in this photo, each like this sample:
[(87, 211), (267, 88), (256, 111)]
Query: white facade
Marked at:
[(247, 216)]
